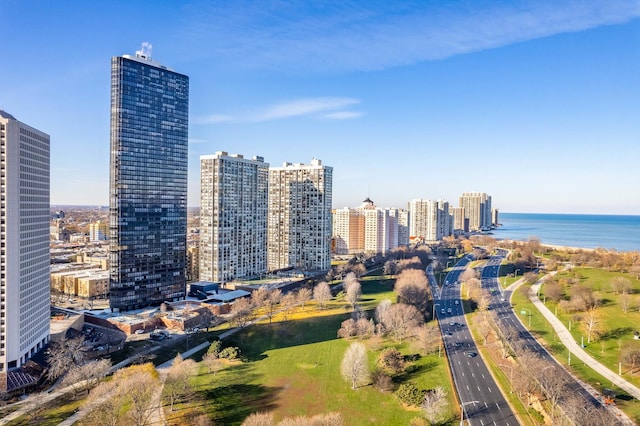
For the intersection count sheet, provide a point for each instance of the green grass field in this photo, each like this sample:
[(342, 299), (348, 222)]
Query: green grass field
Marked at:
[(292, 368), (544, 332)]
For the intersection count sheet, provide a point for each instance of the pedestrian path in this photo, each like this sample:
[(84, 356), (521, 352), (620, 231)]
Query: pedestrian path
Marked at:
[(575, 349)]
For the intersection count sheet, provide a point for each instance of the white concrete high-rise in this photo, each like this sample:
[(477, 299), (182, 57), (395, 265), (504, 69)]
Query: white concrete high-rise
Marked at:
[(477, 209), (430, 220), (233, 217), (24, 237), (299, 229)]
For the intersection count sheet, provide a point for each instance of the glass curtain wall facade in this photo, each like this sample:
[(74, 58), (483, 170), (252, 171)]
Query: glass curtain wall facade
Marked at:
[(148, 183)]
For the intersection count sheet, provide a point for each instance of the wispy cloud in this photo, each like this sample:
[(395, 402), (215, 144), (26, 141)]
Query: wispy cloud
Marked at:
[(342, 115), (195, 141), (363, 35), (322, 107)]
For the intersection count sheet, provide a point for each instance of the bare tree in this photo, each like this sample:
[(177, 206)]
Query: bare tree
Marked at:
[(620, 284), (401, 319), (259, 296), (625, 301), (630, 357), (259, 419), (483, 325), (355, 365), (322, 294), (304, 295), (288, 301), (468, 274), (435, 405), (353, 290), (104, 404), (591, 324), (63, 355), (241, 312), (177, 381), (347, 329), (139, 384), (553, 290), (413, 289), (212, 362), (36, 404), (428, 338), (86, 375)]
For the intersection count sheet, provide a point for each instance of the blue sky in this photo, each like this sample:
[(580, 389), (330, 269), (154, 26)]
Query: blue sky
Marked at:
[(534, 102)]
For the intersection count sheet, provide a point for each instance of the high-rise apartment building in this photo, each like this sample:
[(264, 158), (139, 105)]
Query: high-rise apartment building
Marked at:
[(430, 220), (459, 221), (299, 228), (348, 231), (477, 209), (24, 240), (233, 217), (148, 183), (402, 221), (369, 229)]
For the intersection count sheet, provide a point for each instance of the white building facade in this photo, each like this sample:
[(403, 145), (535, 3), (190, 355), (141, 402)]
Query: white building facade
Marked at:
[(233, 217), (477, 210), (299, 227), (24, 237), (430, 220)]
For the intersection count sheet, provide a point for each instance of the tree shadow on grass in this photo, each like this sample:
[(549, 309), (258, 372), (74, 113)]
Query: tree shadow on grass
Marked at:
[(616, 333), (256, 339), (231, 404), (414, 370)]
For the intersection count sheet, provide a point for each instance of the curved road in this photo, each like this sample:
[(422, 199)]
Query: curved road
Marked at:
[(481, 401), (509, 322)]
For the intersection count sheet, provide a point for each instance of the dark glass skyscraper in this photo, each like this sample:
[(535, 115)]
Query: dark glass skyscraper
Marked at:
[(148, 183)]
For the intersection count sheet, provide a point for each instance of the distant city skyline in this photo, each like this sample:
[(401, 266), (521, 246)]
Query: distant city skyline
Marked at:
[(533, 102)]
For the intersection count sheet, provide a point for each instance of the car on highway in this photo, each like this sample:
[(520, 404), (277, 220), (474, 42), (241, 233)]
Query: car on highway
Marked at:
[(442, 311), (471, 354)]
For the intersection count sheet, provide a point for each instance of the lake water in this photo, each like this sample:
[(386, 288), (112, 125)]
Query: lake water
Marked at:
[(574, 230)]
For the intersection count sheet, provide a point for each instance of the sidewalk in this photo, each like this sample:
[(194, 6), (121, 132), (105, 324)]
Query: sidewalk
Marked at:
[(575, 349)]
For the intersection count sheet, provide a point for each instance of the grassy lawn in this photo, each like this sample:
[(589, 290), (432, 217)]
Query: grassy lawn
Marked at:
[(293, 368), (57, 411), (544, 332), (617, 327)]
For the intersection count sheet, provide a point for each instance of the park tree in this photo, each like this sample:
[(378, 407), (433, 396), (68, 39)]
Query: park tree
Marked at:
[(241, 312), (353, 290), (258, 297), (304, 295), (468, 274), (625, 301), (400, 320), (428, 338), (389, 267), (435, 405), (355, 365), (86, 375), (177, 380), (273, 299), (591, 324), (322, 294), (553, 290), (630, 357), (288, 301), (620, 285), (139, 384), (391, 360), (347, 329), (63, 355), (412, 288), (104, 404)]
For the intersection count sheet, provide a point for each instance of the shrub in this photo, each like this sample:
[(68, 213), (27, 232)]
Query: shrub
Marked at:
[(230, 353), (409, 394)]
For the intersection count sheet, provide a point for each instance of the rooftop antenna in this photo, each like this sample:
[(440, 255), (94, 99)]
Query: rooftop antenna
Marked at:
[(145, 51)]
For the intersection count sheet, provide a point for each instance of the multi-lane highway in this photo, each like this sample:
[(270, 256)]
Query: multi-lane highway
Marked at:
[(481, 401), (511, 325)]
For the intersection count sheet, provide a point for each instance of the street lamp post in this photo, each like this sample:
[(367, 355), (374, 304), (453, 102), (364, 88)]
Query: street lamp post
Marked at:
[(462, 404), (433, 313), (530, 314)]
